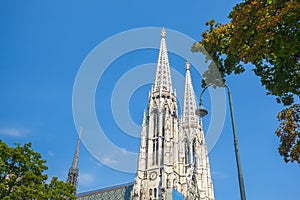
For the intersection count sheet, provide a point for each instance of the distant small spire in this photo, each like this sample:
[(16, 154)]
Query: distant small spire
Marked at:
[(73, 171)]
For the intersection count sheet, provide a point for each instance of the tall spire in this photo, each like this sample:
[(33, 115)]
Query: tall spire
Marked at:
[(189, 102), (163, 76), (73, 171), (172, 154), (199, 179), (156, 172)]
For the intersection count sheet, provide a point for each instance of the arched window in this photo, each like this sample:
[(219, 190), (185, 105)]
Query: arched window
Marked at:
[(155, 125), (187, 154), (156, 156), (153, 151), (163, 122), (150, 192), (155, 136), (194, 153), (153, 145), (155, 192)]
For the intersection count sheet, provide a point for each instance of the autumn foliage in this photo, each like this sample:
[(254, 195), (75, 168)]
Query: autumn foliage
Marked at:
[(265, 33), (289, 133)]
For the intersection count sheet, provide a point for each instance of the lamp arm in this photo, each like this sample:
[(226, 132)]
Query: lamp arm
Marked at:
[(201, 94)]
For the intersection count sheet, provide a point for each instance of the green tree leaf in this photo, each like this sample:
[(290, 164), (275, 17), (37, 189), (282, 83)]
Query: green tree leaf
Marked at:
[(265, 33), (22, 176)]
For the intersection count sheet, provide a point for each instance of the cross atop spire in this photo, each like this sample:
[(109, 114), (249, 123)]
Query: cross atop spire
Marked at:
[(189, 101), (73, 171), (163, 80)]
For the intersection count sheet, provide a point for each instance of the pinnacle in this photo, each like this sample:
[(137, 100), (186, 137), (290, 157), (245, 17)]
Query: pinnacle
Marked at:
[(144, 117), (163, 76), (189, 102)]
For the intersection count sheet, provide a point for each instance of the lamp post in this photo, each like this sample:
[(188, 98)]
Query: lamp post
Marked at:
[(201, 111)]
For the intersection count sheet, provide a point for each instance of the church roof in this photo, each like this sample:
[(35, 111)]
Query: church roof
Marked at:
[(120, 192)]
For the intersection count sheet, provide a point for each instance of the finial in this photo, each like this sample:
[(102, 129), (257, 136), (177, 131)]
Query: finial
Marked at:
[(187, 65), (163, 32)]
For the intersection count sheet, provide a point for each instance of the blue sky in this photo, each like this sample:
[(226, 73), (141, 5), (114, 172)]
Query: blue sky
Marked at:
[(43, 44)]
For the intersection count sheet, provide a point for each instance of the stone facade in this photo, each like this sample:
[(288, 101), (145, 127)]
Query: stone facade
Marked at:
[(173, 154)]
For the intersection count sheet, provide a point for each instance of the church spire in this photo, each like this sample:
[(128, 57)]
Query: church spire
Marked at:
[(172, 154), (189, 102), (163, 76), (198, 170), (73, 171)]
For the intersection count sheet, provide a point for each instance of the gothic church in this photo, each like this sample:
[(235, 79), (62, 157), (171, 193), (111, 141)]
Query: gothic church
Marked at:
[(173, 159)]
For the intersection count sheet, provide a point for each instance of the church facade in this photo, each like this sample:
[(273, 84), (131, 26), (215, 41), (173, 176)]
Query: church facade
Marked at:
[(173, 159), (173, 154)]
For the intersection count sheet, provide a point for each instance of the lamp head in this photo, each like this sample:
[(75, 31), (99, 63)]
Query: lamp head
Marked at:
[(201, 111)]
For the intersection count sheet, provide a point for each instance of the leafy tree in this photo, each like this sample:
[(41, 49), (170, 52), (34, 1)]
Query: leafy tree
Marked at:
[(265, 33), (289, 133), (22, 176)]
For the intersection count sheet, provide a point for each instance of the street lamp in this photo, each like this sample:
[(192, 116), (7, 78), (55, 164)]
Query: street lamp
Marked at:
[(201, 112)]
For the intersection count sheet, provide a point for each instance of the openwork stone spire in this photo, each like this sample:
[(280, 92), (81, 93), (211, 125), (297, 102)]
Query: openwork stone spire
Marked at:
[(156, 174), (163, 76), (73, 171), (189, 116), (173, 155), (197, 169)]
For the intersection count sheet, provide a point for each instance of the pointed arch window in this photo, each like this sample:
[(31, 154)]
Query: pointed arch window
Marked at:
[(194, 153), (187, 154), (155, 137), (163, 122), (155, 192), (156, 128)]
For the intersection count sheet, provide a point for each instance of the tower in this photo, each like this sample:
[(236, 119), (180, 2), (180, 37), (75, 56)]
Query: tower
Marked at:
[(172, 153), (197, 169), (155, 174), (73, 171)]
